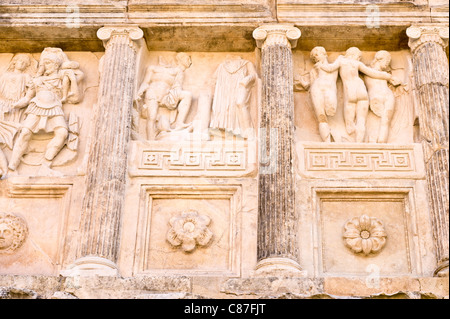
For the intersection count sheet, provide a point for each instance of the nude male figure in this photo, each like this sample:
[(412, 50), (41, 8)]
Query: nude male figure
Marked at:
[(163, 87), (356, 98), (381, 97), (322, 89)]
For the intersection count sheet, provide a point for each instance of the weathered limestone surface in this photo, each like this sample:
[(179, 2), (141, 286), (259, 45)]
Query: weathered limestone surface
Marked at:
[(107, 166), (183, 287), (202, 150), (428, 44), (277, 219)]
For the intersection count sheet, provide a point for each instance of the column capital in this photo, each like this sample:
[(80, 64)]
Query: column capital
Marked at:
[(133, 33), (281, 34), (425, 33)]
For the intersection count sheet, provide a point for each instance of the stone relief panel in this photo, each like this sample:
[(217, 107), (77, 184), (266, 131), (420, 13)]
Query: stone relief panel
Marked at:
[(360, 229), (193, 159), (235, 78), (45, 105), (362, 161), (189, 230), (33, 224), (362, 97), (195, 114), (184, 96)]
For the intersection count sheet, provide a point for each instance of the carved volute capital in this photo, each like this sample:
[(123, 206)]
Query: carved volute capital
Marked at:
[(421, 34), (111, 34), (276, 34)]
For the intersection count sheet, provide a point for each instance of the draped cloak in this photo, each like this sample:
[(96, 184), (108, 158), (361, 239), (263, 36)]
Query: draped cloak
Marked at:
[(13, 87), (224, 108)]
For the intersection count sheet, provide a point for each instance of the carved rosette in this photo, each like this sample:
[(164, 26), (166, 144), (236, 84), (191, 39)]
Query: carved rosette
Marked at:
[(13, 232), (431, 78), (189, 230), (364, 235)]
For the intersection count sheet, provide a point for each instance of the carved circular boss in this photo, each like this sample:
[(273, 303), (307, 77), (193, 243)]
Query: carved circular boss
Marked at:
[(364, 235), (189, 230), (13, 232)]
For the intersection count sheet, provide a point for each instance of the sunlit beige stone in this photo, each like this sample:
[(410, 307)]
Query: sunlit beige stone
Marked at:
[(223, 149)]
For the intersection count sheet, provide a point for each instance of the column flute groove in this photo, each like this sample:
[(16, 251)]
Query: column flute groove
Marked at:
[(277, 221), (101, 214), (430, 66)]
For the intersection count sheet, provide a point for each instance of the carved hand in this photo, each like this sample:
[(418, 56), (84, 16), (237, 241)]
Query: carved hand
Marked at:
[(394, 81), (21, 103), (141, 92), (247, 81)]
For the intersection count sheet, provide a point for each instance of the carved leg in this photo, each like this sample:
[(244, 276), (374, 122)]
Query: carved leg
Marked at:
[(152, 109), (183, 108), (362, 109), (330, 103), (20, 148), (349, 117), (385, 121), (57, 143), (3, 164), (245, 121), (324, 130)]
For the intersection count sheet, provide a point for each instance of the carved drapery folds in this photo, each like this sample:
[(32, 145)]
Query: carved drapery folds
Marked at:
[(107, 166), (277, 230), (430, 63), (235, 78), (13, 232), (32, 96)]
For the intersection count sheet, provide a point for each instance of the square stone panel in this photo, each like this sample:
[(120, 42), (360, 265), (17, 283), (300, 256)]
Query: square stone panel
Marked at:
[(44, 209), (156, 255), (392, 209)]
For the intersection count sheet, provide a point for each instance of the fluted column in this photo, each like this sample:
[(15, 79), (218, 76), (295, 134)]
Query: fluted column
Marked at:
[(277, 222), (430, 63), (103, 203)]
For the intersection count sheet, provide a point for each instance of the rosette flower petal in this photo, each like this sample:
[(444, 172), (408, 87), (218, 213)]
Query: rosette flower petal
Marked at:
[(364, 234), (189, 230)]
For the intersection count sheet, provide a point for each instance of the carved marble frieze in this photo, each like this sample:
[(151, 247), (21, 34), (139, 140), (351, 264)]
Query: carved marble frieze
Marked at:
[(193, 159), (363, 97), (360, 160), (173, 105), (42, 102)]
